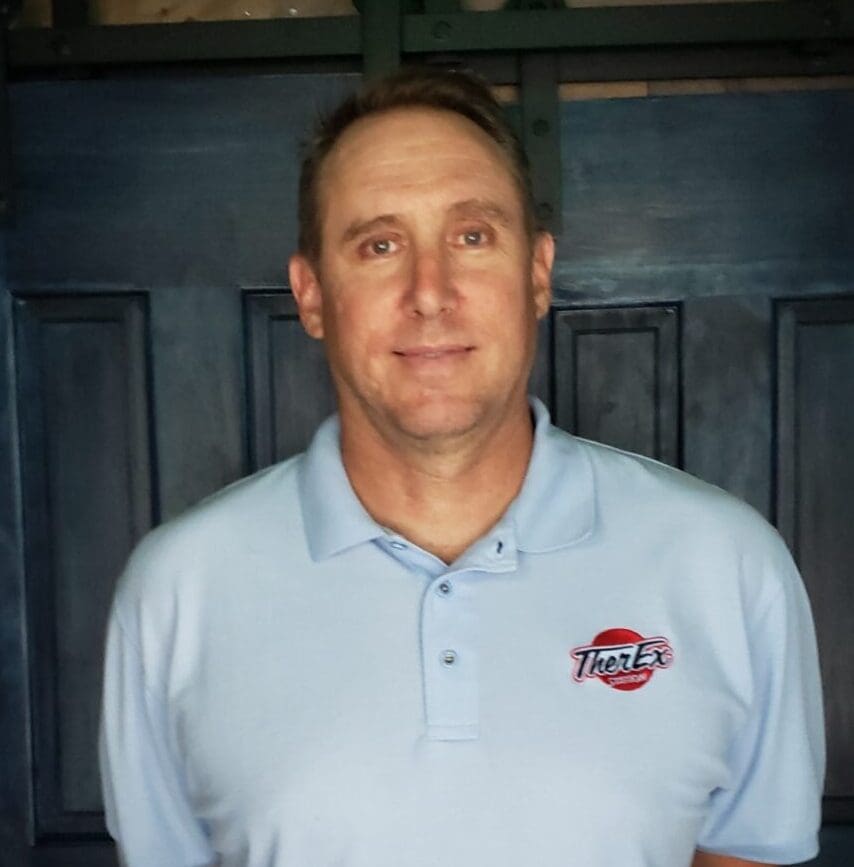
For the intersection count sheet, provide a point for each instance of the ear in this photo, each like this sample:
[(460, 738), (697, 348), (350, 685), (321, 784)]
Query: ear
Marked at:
[(306, 288), (542, 259)]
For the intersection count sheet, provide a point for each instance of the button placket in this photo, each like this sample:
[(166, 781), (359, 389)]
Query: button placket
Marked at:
[(449, 642)]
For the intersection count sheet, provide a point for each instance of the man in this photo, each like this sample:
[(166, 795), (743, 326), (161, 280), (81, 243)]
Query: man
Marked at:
[(450, 634)]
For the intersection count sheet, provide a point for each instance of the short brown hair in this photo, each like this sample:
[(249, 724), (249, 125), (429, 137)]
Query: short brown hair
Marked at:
[(409, 87)]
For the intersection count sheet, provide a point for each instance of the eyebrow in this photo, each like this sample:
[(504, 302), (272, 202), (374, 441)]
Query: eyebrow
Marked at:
[(468, 208), (362, 227), (483, 209)]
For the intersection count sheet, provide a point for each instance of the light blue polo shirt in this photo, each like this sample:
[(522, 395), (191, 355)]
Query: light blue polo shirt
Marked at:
[(623, 669)]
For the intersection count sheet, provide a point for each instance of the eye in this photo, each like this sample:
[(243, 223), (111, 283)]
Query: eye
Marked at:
[(379, 247), (473, 238)]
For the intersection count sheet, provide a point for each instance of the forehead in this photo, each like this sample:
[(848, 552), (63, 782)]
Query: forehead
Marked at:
[(414, 150)]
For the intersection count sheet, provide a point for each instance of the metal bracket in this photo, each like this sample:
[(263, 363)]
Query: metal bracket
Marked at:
[(382, 29), (538, 98), (381, 22), (70, 13)]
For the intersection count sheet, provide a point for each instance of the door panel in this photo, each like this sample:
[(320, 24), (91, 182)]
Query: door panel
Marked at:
[(87, 469), (282, 360), (617, 377), (727, 417), (815, 507)]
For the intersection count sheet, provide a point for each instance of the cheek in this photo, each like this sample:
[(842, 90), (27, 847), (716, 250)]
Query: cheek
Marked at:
[(508, 312), (514, 338), (356, 333)]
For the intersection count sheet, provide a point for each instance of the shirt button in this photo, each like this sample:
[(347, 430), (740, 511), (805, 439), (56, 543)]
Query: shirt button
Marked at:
[(444, 589), (449, 657), (398, 545)]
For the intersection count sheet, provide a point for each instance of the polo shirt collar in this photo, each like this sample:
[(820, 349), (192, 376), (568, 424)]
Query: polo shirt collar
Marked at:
[(555, 507), (333, 517)]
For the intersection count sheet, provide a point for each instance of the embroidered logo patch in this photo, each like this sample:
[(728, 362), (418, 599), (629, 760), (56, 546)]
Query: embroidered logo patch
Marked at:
[(621, 657)]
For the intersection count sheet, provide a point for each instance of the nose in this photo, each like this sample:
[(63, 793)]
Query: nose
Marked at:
[(431, 291)]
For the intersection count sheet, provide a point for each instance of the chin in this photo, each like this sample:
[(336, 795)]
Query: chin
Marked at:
[(438, 419)]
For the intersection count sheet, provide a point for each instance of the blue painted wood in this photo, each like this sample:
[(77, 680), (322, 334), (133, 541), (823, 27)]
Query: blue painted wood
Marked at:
[(14, 716), (159, 183), (86, 470), (185, 190), (720, 194)]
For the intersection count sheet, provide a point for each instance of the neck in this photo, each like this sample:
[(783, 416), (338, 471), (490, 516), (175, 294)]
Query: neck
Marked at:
[(440, 498)]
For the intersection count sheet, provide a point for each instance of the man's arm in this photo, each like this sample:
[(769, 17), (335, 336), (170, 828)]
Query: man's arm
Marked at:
[(706, 859), (146, 806)]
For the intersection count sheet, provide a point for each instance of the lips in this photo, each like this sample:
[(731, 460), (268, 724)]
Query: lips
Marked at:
[(427, 353)]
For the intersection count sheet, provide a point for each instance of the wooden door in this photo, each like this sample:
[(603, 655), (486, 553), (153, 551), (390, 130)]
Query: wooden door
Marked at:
[(704, 314)]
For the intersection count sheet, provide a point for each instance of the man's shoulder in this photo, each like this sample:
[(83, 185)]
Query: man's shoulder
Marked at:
[(226, 525), (665, 515), (637, 484)]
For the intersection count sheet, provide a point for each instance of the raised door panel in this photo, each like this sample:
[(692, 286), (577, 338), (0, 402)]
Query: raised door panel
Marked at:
[(617, 377), (87, 471), (815, 504), (290, 391)]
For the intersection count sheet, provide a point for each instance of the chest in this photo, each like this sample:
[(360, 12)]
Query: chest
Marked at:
[(337, 719)]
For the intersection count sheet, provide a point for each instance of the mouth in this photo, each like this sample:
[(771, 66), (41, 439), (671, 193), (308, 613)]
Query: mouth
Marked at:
[(434, 353)]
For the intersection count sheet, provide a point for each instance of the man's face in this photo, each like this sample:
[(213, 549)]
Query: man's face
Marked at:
[(428, 290)]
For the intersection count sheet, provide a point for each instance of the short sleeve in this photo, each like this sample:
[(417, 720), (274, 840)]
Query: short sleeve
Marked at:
[(771, 809), (147, 811)]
